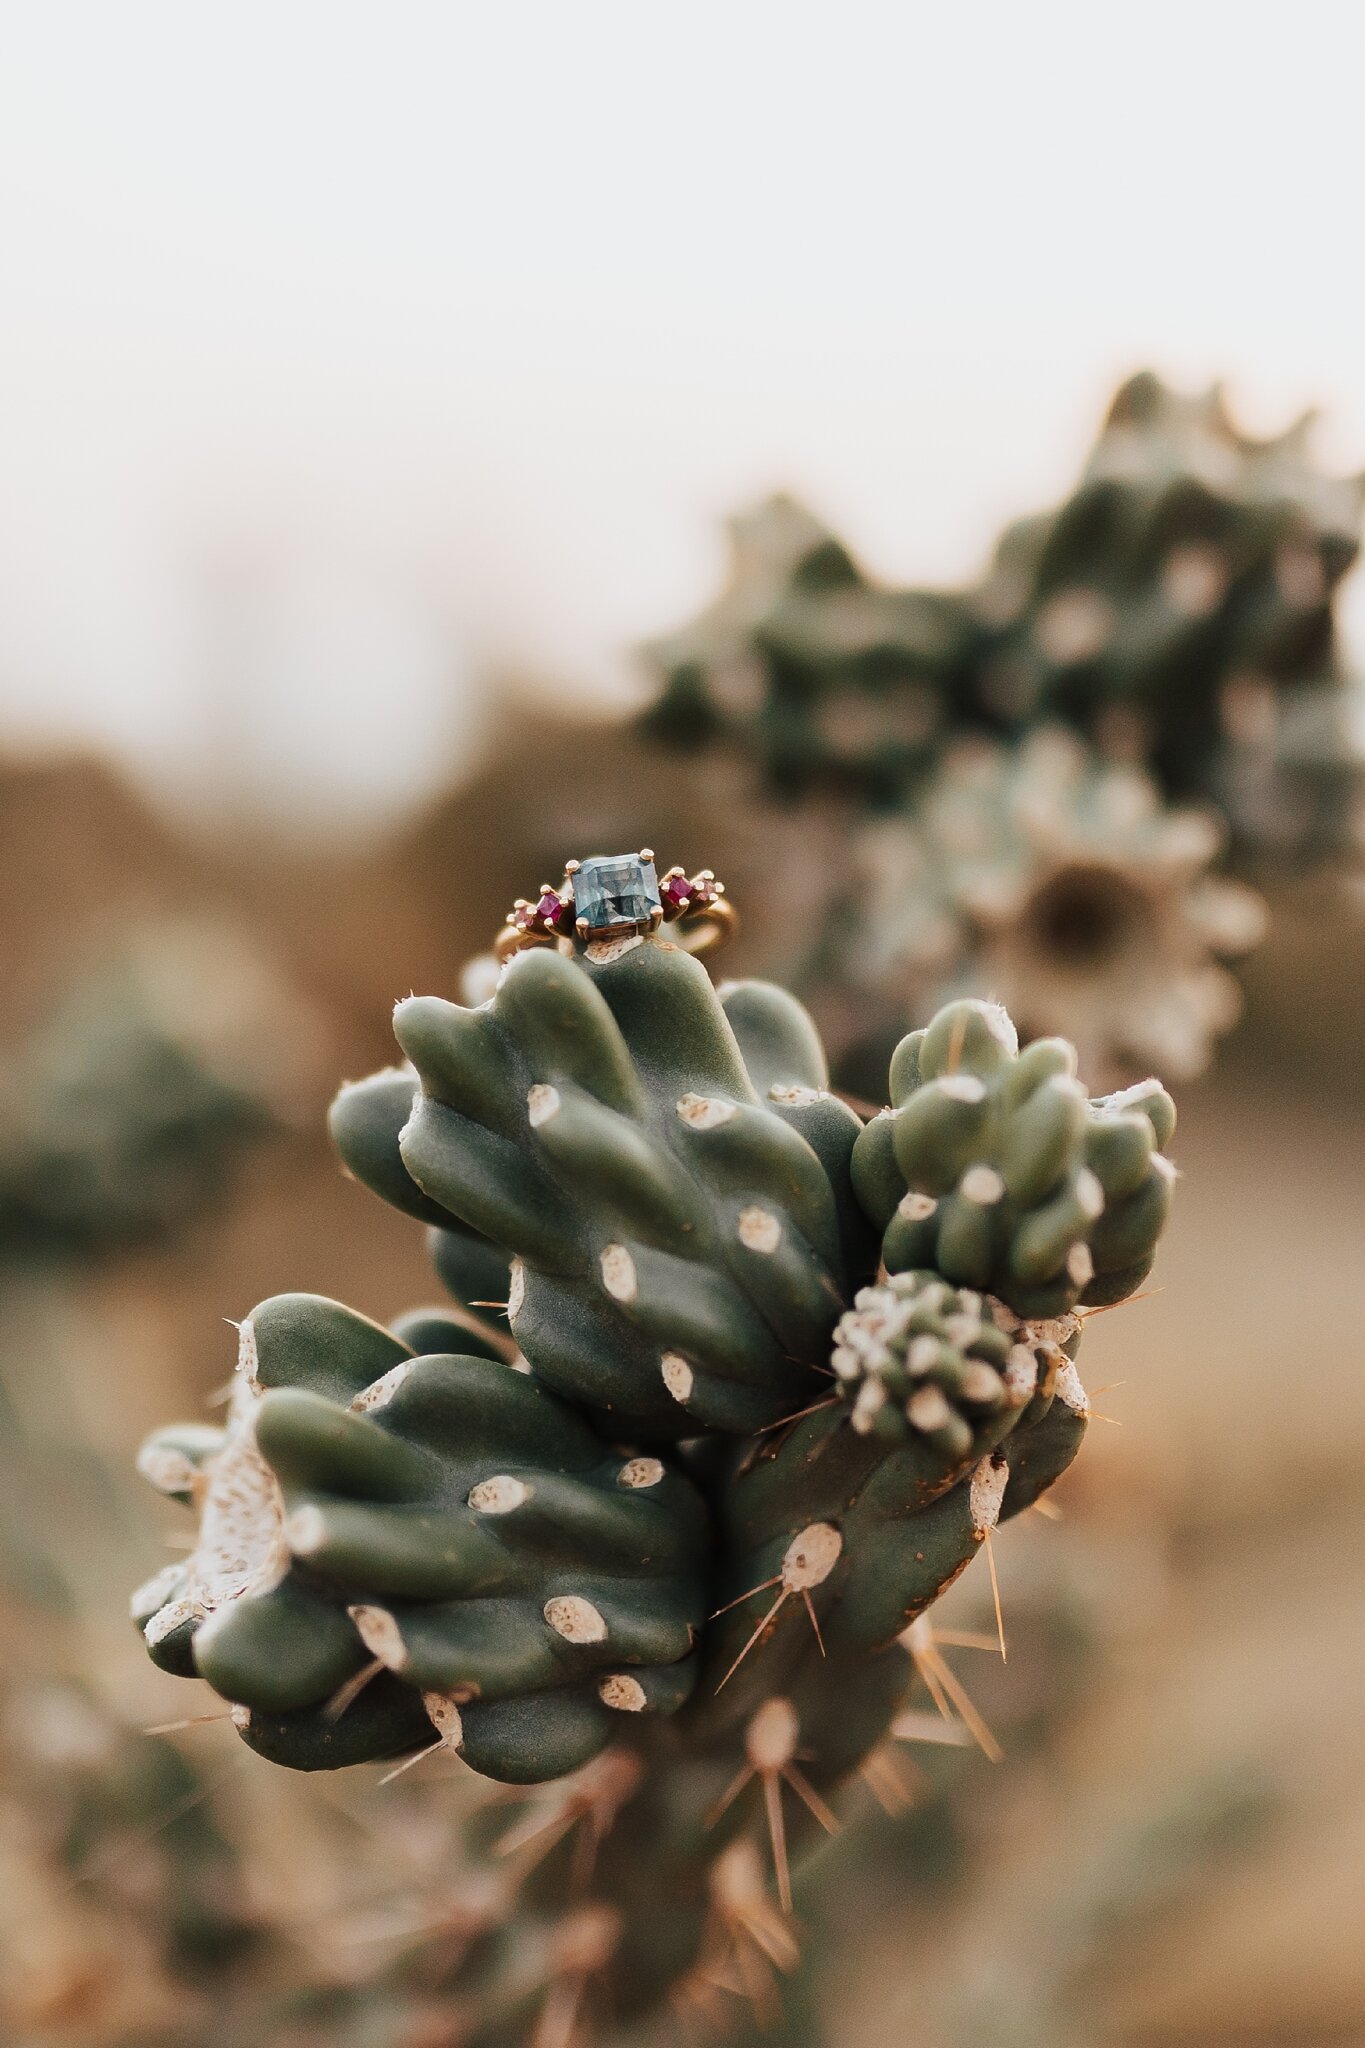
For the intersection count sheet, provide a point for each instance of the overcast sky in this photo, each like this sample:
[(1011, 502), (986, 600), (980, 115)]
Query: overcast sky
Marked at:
[(348, 353)]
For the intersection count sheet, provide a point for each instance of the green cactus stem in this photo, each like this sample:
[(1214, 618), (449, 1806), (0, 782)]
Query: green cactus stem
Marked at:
[(679, 1254), (670, 1552), (443, 1517), (994, 1169)]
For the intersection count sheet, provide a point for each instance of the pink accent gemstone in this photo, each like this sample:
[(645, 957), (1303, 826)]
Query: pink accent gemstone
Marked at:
[(550, 909), (676, 892)]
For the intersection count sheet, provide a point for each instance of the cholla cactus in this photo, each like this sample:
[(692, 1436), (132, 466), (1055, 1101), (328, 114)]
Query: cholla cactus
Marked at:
[(680, 1541), (822, 675), (1177, 608), (124, 1112), (1059, 884)]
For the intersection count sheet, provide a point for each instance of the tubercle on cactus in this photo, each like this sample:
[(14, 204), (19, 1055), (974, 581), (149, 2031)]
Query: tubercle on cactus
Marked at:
[(678, 1546)]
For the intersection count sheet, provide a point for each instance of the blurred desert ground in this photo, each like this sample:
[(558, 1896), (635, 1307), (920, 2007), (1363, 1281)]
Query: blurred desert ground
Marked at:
[(351, 366)]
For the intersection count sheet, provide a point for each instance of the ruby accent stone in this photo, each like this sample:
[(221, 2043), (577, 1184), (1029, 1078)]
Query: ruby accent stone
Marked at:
[(550, 909), (676, 893)]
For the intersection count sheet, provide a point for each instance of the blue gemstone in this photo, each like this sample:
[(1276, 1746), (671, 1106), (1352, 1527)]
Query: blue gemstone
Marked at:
[(616, 893)]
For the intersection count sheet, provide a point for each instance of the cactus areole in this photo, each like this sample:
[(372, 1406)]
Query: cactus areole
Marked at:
[(662, 1531)]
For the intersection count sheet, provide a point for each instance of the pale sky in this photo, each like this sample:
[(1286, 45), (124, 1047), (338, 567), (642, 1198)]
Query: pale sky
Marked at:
[(348, 353)]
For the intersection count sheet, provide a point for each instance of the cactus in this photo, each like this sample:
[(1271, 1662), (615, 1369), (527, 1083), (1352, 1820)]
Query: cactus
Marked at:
[(678, 1536), (994, 1169), (1176, 610), (818, 673), (1057, 883), (124, 1112)]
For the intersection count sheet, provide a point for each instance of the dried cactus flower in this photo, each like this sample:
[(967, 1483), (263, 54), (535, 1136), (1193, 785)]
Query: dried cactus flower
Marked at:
[(1066, 889), (668, 1549)]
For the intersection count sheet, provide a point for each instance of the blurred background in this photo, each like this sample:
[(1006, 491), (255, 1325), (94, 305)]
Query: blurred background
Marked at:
[(374, 391)]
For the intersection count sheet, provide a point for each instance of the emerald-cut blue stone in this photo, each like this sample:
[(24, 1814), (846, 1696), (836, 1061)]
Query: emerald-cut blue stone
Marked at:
[(616, 893)]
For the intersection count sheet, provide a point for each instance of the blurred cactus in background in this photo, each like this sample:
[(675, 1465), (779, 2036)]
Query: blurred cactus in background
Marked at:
[(123, 1113), (680, 1535), (1175, 615)]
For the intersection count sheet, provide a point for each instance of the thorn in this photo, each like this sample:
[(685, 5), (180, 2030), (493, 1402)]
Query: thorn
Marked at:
[(487, 1304), (807, 1793), (1093, 1415), (966, 1639), (762, 1587), (730, 1795), (814, 1617), (1048, 1509), (409, 1761), (962, 1700), (913, 1726), (777, 1834), (346, 1695), (884, 1779), (771, 1614), (1105, 1307), (126, 1843), (190, 1721), (995, 1595), (785, 1421)]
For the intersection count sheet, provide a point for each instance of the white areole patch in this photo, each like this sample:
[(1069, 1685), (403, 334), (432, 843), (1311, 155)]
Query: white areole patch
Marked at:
[(380, 1392), (604, 951), (678, 1376), (499, 1495), (982, 1185), (706, 1112), (542, 1102), (516, 1289), (772, 1734), (378, 1631), (640, 1472), (624, 1693), (618, 1273), (811, 1556), (987, 1490), (759, 1230), (444, 1717), (577, 1620)]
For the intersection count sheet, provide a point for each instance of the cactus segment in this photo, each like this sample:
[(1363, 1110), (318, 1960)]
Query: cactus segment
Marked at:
[(994, 1169), (366, 1123), (679, 1245), (440, 1517)]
